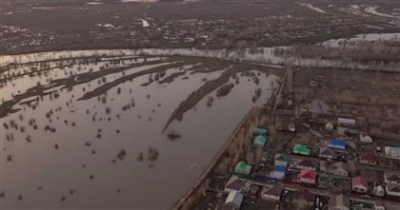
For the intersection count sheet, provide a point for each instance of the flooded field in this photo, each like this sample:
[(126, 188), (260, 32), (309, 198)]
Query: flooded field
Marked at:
[(113, 130)]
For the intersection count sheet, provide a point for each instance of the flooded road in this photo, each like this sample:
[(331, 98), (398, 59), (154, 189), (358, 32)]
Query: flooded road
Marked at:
[(87, 133)]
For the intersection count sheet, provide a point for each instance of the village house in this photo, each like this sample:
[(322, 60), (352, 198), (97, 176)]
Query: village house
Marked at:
[(393, 190), (365, 138), (234, 184), (281, 160), (341, 130), (307, 164), (392, 152), (265, 156), (339, 169), (328, 153), (260, 131), (367, 158), (307, 176), (379, 191), (304, 198), (339, 202), (242, 168), (271, 193), (391, 177), (301, 149), (359, 184), (337, 144), (260, 141), (329, 126), (279, 172), (233, 201)]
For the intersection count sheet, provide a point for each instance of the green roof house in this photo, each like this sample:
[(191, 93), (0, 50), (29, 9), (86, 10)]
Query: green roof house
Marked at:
[(301, 149), (242, 168), (260, 131), (259, 141)]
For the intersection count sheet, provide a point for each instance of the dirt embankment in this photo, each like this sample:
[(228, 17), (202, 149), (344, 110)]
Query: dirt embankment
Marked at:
[(104, 88), (210, 86), (6, 107)]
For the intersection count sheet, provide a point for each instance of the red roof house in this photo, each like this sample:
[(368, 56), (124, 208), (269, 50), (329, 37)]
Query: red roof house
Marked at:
[(359, 184), (307, 176), (368, 158)]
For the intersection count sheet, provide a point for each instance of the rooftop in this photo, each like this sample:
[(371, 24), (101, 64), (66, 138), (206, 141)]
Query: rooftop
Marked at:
[(368, 156), (280, 168), (301, 148), (392, 176), (274, 191), (338, 142), (393, 187), (308, 174), (358, 180), (308, 163)]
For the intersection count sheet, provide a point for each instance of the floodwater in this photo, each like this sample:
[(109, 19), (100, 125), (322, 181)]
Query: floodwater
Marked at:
[(90, 160)]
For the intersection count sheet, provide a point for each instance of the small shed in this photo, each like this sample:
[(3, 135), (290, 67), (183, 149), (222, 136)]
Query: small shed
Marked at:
[(260, 131), (242, 168), (346, 121), (339, 202), (292, 127), (265, 156)]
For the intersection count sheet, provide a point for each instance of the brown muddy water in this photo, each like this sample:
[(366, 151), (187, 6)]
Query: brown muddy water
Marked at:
[(96, 131)]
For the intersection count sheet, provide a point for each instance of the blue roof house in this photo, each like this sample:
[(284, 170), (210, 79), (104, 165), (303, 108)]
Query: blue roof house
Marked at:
[(279, 172), (280, 169), (337, 143), (259, 141)]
